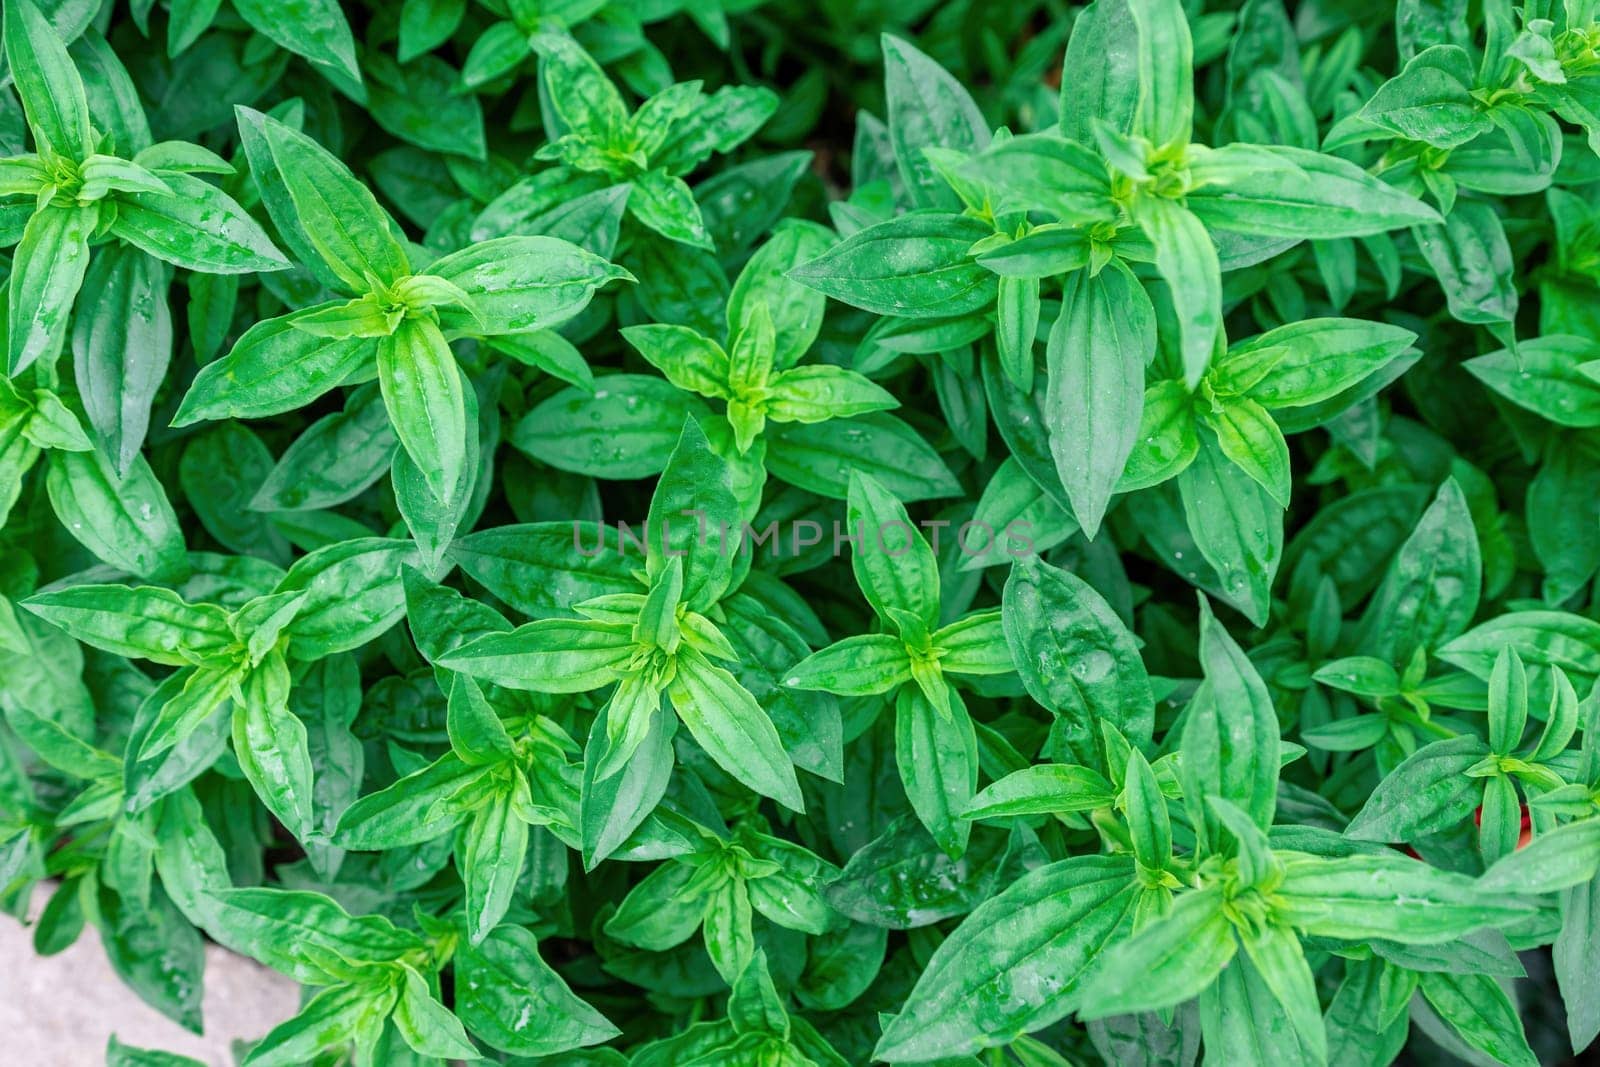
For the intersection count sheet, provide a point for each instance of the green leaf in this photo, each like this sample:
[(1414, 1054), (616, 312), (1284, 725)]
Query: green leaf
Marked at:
[(1186, 259), (816, 394), (666, 205), (1246, 434), (1230, 747), (729, 937), (333, 461), (612, 808), (1481, 1014), (855, 666), (1387, 895), (1431, 592), (1040, 172), (520, 284), (625, 426), (419, 102), (270, 744), (120, 1055), (1017, 312), (477, 736), (306, 935), (427, 1025), (489, 853), (1315, 359), (937, 753), (658, 913), (1097, 352), (274, 367), (1166, 442), (733, 729), (501, 977), (551, 656), (754, 1006), (1430, 100), (331, 1019), (353, 593), (1542, 639), (415, 809), (1041, 790), (1104, 52), (796, 310), (128, 523), (1242, 1018), (926, 108), (1032, 942), (197, 227), (51, 91), (220, 467), (545, 568), (425, 396), (1558, 859), (121, 347), (1167, 962), (498, 50), (694, 516), (1165, 70), (583, 98), (144, 622), (315, 29), (334, 213), (155, 952), (1471, 257), (892, 562), (1149, 823), (841, 965), (47, 271), (1236, 525), (427, 24), (1547, 376), (1427, 793), (1075, 656), (689, 360), (1312, 196), (1570, 953), (821, 458), (916, 265), (1280, 963)]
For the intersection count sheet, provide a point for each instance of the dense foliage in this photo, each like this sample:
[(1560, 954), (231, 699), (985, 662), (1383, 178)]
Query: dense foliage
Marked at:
[(767, 532)]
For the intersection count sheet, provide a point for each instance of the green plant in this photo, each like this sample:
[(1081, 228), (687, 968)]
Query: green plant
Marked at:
[(602, 532)]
